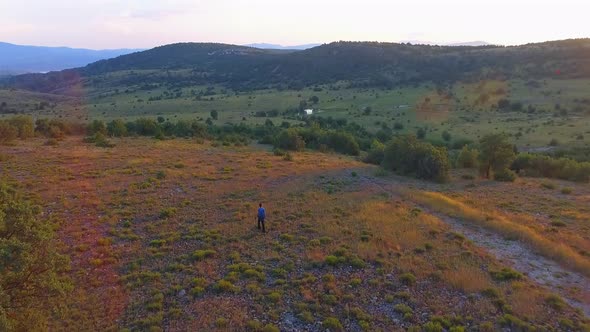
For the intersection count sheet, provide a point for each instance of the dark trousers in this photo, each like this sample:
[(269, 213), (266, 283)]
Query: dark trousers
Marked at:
[(261, 221)]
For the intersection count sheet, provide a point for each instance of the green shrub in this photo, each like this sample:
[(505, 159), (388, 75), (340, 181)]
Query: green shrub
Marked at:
[(225, 286), (505, 175), (557, 223), (31, 268), (446, 136), (515, 323), (332, 324), (506, 274), (167, 212), (99, 140), (432, 327), (270, 328), (407, 278), (254, 325), (274, 297), (202, 254), (555, 302), (356, 262), (354, 282), (403, 309), (331, 260), (286, 237), (566, 191), (221, 322)]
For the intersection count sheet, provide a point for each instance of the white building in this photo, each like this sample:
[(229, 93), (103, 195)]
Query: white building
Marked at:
[(308, 111)]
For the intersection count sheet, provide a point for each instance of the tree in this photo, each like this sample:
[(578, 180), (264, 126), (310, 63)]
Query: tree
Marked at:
[(446, 136), (145, 127), (409, 156), (467, 157), (8, 133), (117, 128), (214, 114), (421, 133), (24, 126), (97, 126), (503, 104), (161, 119), (342, 142), (30, 265), (375, 155), (290, 139), (496, 154), (302, 105), (314, 99)]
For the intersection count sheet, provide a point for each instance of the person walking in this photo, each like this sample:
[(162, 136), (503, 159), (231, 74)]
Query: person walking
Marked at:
[(261, 217)]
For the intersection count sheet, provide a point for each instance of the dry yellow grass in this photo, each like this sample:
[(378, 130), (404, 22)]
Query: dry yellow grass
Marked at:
[(510, 228), (468, 279)]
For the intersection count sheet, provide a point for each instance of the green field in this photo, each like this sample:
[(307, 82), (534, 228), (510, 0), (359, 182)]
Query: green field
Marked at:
[(466, 110)]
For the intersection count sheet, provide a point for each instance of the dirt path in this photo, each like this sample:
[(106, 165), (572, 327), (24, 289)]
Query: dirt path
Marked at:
[(572, 286), (540, 269)]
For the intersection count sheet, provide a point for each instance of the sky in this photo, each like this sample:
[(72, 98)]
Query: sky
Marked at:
[(101, 24)]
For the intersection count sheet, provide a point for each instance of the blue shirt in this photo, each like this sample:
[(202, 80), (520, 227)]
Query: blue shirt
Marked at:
[(261, 213)]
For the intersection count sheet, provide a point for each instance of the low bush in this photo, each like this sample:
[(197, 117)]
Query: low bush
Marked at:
[(332, 324), (407, 278), (505, 175), (506, 274)]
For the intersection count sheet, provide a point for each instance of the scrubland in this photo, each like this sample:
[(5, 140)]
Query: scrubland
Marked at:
[(162, 236)]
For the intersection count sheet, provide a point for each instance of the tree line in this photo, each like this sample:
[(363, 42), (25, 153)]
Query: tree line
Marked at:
[(495, 156)]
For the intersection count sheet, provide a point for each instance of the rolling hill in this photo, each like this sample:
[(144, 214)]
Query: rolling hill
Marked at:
[(360, 63)]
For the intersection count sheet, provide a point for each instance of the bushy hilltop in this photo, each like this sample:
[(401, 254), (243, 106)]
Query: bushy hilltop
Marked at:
[(360, 63)]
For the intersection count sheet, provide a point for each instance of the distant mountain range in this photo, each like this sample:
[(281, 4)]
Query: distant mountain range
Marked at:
[(280, 47), (19, 59)]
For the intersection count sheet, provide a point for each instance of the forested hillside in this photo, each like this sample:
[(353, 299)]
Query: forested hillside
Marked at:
[(360, 63)]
